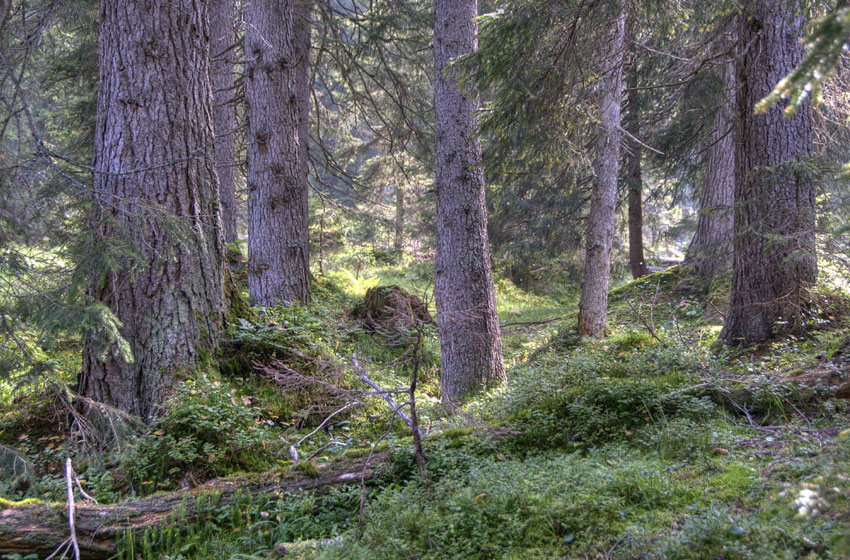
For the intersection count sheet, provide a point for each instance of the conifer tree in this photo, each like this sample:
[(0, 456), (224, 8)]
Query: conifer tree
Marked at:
[(277, 52), (600, 227), (470, 338), (774, 256), (157, 196)]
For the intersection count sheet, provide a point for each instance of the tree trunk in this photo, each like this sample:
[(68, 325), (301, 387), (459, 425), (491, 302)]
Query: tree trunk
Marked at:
[(634, 179), (711, 246), (593, 304), (470, 339), (398, 244), (774, 258), (157, 194), (42, 528), (277, 49), (224, 117)]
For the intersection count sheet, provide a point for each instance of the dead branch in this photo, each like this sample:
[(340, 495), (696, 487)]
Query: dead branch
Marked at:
[(397, 409), (518, 323)]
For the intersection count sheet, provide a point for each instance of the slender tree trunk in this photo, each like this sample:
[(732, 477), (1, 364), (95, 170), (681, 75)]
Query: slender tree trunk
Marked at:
[(277, 50), (774, 258), (593, 304), (157, 192), (634, 179), (398, 244), (711, 246), (224, 117), (470, 339)]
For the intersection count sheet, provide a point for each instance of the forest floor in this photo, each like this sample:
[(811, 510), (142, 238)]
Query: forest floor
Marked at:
[(655, 442)]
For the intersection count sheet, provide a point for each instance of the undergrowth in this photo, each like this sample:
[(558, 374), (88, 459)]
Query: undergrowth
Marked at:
[(654, 442)]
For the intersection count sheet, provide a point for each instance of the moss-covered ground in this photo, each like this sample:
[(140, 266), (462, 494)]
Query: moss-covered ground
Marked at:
[(655, 442)]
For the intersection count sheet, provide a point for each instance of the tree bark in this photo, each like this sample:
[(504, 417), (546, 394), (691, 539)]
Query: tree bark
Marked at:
[(277, 49), (593, 304), (470, 339), (222, 41), (774, 259), (42, 528), (156, 193), (711, 246), (634, 179)]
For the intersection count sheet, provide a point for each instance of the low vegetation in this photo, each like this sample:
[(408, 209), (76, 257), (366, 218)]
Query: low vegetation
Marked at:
[(655, 442)]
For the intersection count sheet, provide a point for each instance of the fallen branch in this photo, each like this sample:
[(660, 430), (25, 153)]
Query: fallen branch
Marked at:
[(69, 474), (523, 323), (397, 409), (649, 327), (43, 528)]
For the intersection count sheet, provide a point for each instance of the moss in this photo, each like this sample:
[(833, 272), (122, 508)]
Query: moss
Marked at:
[(452, 433), (307, 468), (237, 305), (356, 452), (25, 502), (735, 483)]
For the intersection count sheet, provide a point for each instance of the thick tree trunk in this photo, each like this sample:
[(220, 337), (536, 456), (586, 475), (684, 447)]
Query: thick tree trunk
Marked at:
[(710, 249), (157, 193), (774, 258), (42, 528), (634, 179), (470, 339), (398, 243), (277, 50), (593, 304), (222, 54)]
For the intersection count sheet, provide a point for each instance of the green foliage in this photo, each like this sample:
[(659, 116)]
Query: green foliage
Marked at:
[(825, 41), (246, 528), (606, 392), (207, 429), (555, 505)]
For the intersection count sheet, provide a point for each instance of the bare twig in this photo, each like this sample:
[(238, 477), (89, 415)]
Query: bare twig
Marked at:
[(83, 492), (544, 322), (414, 420), (643, 321), (722, 315), (384, 394), (73, 537), (293, 449)]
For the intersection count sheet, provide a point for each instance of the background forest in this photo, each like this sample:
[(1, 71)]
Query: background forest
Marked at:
[(424, 279)]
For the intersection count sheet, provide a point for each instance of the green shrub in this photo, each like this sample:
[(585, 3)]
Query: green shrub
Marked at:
[(715, 531), (207, 430), (549, 507), (605, 392)]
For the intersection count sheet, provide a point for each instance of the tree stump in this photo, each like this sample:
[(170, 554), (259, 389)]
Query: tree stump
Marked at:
[(391, 310)]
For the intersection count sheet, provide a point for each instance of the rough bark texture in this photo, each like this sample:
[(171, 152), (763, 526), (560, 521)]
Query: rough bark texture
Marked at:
[(710, 249), (222, 53), (633, 176), (277, 50), (157, 191), (593, 304), (774, 258), (470, 339), (42, 528)]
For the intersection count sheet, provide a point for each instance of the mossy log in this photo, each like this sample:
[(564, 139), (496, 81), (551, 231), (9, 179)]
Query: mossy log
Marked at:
[(42, 527), (813, 385)]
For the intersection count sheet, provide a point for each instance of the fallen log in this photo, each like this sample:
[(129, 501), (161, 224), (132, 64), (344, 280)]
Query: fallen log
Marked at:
[(41, 528)]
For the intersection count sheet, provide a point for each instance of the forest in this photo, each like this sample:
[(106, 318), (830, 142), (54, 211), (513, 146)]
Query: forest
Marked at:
[(424, 279)]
